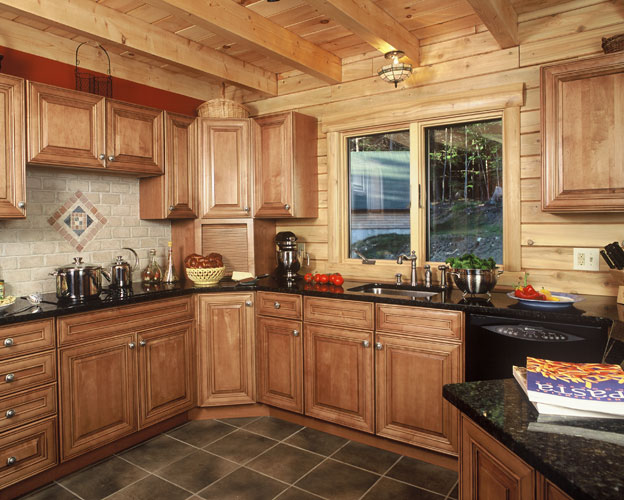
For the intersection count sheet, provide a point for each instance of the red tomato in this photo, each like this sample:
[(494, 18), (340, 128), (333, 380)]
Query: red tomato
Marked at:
[(339, 289), (337, 279), (317, 287), (323, 278), (308, 277), (317, 277), (308, 286), (324, 288)]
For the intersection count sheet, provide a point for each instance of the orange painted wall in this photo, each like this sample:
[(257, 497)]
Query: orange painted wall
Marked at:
[(40, 69)]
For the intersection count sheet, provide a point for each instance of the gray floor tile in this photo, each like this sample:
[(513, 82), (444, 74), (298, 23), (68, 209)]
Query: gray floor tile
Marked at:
[(337, 481), (151, 488), (240, 421), (285, 463), (197, 470), (428, 476), (102, 479), (454, 494), (243, 484), (50, 492), (316, 441), (157, 452), (273, 427), (240, 446), (389, 489), (201, 432), (367, 457)]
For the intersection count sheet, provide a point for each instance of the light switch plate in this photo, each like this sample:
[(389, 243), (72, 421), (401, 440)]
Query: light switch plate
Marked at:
[(586, 259)]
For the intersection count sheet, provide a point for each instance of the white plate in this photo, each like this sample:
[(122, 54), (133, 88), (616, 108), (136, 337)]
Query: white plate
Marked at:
[(4, 306), (565, 300)]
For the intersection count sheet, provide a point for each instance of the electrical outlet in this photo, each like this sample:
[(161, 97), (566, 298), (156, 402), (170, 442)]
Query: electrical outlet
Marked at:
[(586, 259)]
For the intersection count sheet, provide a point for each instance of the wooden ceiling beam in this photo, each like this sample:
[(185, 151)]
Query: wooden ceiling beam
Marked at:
[(236, 23), (106, 25), (372, 24), (500, 19)]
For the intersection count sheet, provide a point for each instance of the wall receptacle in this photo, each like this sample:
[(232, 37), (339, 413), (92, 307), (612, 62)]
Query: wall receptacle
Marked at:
[(586, 259)]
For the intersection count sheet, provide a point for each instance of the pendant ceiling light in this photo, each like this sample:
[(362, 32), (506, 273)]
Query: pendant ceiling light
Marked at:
[(396, 71)]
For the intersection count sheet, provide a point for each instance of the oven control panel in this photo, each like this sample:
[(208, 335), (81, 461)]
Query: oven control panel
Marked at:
[(534, 333)]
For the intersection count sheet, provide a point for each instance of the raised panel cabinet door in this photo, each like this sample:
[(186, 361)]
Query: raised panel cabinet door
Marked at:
[(134, 138), (279, 358), (225, 333), (12, 148), (548, 491), (174, 195), (338, 380), (97, 394), (488, 470), (225, 167), (165, 372), (410, 373), (65, 128)]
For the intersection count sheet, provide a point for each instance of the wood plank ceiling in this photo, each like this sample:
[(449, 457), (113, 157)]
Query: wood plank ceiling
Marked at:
[(249, 43)]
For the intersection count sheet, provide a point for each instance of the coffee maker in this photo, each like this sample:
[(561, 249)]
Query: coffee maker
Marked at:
[(287, 260)]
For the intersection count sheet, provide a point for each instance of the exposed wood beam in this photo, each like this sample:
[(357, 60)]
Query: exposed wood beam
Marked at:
[(372, 24), (234, 22), (500, 19), (106, 25)]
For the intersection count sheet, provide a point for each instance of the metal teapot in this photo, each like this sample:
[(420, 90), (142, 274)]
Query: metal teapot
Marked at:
[(121, 271)]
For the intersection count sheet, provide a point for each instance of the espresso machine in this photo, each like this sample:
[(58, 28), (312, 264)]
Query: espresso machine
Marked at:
[(287, 259)]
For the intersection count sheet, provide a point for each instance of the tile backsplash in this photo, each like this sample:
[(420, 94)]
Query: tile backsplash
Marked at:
[(71, 214)]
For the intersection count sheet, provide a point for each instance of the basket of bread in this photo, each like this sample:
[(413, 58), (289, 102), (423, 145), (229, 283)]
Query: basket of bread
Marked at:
[(206, 270)]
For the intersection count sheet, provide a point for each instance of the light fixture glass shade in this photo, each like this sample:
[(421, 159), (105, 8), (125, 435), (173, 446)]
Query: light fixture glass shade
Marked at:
[(396, 71)]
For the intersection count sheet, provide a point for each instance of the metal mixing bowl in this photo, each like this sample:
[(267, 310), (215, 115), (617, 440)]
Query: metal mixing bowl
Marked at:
[(475, 281)]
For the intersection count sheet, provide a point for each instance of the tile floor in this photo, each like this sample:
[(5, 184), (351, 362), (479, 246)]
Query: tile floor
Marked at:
[(253, 458)]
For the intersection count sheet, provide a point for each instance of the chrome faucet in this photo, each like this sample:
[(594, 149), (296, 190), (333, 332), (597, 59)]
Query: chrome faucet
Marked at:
[(365, 260), (412, 257)]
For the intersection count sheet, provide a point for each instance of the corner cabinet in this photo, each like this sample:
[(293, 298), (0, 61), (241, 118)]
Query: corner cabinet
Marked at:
[(12, 164), (286, 167), (225, 332), (582, 130)]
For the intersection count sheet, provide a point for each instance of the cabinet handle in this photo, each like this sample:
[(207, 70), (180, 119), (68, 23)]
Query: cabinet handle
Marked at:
[(10, 377), (11, 461), (102, 156), (8, 342), (248, 303), (111, 158), (171, 208), (131, 345), (295, 333), (143, 343), (10, 413), (378, 346), (277, 305), (365, 343), (287, 206), (21, 204)]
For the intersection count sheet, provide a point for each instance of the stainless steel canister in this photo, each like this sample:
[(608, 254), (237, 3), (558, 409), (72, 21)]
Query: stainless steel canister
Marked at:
[(79, 281)]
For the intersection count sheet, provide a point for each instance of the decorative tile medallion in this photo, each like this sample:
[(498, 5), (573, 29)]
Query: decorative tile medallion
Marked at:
[(78, 221)]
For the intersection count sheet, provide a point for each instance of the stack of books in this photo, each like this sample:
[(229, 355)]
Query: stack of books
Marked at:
[(573, 389)]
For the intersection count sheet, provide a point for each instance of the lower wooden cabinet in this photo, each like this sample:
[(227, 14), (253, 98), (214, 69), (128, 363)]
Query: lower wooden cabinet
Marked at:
[(410, 373), (279, 359), (339, 384), (226, 365)]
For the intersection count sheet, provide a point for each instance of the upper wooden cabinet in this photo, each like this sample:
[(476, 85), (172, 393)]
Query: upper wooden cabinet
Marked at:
[(286, 169), (582, 135), (12, 161), (68, 128), (225, 167), (175, 194)]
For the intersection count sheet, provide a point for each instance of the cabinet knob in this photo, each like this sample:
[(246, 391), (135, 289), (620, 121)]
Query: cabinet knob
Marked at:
[(246, 209), (10, 413), (287, 206), (111, 158), (248, 303), (171, 208), (21, 204), (295, 333), (102, 156), (131, 345), (277, 305), (8, 342), (365, 343), (378, 346), (11, 461), (9, 377), (143, 343)]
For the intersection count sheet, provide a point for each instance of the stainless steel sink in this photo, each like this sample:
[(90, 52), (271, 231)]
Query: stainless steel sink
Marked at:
[(402, 291)]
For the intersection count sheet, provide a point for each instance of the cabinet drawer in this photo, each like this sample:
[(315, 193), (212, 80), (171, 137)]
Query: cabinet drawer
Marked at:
[(25, 338), (27, 406), (420, 321), (27, 372), (31, 449), (339, 312), (118, 320), (282, 305)]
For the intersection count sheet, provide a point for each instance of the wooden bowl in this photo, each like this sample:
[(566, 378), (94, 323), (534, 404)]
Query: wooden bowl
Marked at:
[(205, 276)]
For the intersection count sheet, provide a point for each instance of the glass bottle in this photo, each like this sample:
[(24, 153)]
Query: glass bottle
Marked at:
[(152, 273), (170, 273)]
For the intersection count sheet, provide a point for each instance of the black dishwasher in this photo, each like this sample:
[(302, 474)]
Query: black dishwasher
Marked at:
[(494, 344)]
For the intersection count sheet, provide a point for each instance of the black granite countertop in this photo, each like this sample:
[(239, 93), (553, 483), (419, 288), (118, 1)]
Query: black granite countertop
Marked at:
[(584, 457)]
